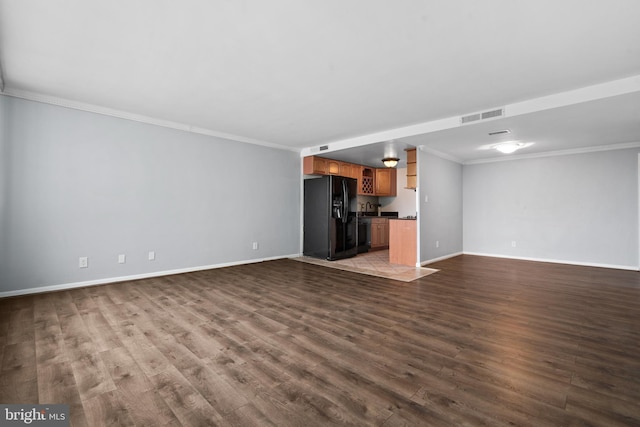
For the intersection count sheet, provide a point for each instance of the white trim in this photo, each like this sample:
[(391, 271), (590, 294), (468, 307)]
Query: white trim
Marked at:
[(442, 258), (387, 135), (557, 261), (105, 281), (576, 96), (638, 211), (611, 147), (562, 99), (61, 102)]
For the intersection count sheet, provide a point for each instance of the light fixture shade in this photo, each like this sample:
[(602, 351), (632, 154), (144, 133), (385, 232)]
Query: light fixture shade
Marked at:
[(390, 162), (509, 147)]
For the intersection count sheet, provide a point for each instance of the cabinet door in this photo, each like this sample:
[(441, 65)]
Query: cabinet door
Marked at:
[(386, 182), (313, 165), (384, 234), (375, 236), (346, 169), (379, 233), (356, 172), (334, 167)]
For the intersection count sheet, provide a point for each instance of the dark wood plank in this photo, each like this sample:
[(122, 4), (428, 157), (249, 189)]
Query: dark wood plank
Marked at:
[(482, 342)]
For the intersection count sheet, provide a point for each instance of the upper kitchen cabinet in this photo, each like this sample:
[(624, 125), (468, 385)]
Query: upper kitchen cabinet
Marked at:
[(335, 167), (385, 182), (412, 170), (350, 170), (313, 165), (366, 182), (371, 181)]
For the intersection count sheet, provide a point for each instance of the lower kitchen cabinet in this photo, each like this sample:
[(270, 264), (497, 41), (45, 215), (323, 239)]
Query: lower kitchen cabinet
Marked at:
[(379, 233)]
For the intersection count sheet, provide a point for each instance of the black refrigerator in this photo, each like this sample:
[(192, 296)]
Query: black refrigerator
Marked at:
[(330, 220)]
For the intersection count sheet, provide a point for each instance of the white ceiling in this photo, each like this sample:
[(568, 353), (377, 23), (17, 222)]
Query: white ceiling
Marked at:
[(300, 74)]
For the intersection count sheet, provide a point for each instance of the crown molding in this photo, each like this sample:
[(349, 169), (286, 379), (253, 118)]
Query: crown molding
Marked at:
[(105, 111), (594, 149)]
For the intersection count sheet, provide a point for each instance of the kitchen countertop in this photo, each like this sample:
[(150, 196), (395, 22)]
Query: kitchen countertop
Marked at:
[(376, 216)]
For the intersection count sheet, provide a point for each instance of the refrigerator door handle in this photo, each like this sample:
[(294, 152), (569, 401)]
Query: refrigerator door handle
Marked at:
[(345, 201)]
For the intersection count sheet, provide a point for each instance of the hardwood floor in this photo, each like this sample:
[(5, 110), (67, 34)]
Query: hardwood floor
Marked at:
[(482, 342)]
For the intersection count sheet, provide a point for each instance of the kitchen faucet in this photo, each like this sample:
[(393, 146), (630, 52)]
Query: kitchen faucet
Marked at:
[(370, 204)]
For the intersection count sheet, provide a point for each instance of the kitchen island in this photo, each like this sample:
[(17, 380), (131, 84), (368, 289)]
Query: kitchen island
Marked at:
[(403, 245)]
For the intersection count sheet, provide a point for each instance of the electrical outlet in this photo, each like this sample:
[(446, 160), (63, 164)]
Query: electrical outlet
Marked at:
[(152, 255), (437, 243), (255, 246), (122, 258), (513, 243), (83, 262)]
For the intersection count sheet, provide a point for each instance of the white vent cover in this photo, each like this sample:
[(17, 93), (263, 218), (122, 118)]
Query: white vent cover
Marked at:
[(470, 118), (481, 116)]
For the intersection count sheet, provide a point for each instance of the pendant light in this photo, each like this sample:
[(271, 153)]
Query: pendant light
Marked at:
[(390, 162), (390, 158)]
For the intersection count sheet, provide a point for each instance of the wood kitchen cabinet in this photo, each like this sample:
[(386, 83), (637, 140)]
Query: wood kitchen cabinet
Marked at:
[(403, 246), (379, 233), (385, 182), (412, 169), (335, 167), (371, 181), (350, 170), (314, 165), (366, 185)]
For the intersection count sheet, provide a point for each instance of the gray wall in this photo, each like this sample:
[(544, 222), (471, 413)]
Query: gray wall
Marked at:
[(83, 184), (4, 183), (441, 215), (579, 208)]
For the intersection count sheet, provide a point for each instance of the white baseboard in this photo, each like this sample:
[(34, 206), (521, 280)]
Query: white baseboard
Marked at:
[(442, 258), (108, 280), (558, 261)]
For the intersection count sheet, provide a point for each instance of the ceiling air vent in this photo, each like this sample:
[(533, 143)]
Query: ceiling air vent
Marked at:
[(324, 147), (482, 116), (469, 118), (491, 114)]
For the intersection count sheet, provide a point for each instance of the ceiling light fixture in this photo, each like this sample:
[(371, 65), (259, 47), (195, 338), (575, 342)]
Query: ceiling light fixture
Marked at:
[(509, 146), (390, 162)]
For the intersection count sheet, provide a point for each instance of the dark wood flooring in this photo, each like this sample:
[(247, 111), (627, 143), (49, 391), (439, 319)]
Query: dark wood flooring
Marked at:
[(482, 342)]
